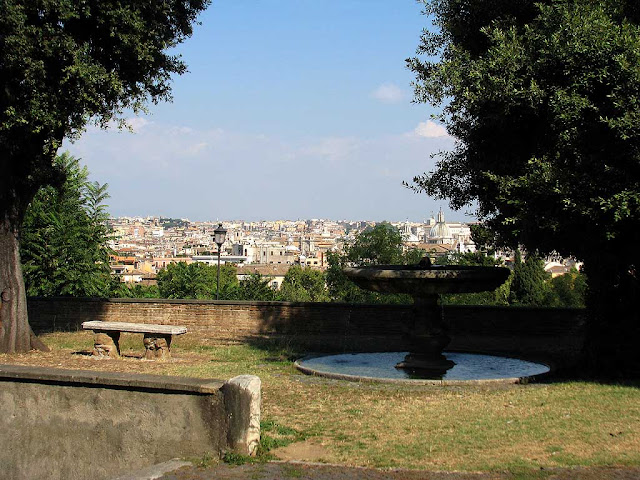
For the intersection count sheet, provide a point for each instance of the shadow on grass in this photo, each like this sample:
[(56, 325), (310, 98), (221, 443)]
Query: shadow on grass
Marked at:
[(582, 375), (283, 348), (89, 353)]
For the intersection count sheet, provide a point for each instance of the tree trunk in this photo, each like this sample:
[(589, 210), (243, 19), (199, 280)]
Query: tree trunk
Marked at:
[(15, 333), (613, 329)]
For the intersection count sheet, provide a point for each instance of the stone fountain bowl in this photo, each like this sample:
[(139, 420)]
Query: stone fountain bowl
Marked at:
[(420, 281)]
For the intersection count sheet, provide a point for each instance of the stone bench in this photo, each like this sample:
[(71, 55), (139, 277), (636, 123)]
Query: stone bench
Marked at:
[(157, 338)]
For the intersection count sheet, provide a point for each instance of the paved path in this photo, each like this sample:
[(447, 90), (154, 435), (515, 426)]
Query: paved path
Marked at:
[(304, 471)]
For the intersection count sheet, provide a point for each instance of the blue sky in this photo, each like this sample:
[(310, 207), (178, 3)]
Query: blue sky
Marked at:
[(291, 109)]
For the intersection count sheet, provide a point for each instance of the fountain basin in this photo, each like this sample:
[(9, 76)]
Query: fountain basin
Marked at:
[(422, 282), (381, 367)]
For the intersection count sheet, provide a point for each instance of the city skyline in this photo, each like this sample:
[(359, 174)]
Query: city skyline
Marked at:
[(431, 216), (290, 109)]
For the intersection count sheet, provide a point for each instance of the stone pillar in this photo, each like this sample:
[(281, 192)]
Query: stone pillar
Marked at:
[(106, 344), (427, 337), (157, 347), (242, 399)]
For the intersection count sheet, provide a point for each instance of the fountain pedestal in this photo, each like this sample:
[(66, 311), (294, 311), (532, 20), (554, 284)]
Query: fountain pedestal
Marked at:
[(427, 337)]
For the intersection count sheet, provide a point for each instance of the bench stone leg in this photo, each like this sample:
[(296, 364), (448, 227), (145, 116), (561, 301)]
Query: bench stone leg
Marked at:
[(105, 344), (157, 347)]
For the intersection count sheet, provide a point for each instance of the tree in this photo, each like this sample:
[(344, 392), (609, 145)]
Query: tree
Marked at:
[(63, 244), (379, 245), (483, 238), (197, 280), (339, 287), (303, 285), (256, 287), (543, 99), (568, 290), (529, 283), (63, 64)]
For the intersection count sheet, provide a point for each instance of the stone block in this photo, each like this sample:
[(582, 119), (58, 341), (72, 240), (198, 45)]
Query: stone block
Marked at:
[(242, 398)]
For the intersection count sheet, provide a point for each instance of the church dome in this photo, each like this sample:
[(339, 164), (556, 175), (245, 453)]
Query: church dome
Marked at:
[(440, 232)]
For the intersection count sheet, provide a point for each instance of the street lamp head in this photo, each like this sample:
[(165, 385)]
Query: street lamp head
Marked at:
[(219, 235)]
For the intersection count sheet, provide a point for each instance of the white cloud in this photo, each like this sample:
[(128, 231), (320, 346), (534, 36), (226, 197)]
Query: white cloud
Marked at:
[(197, 148), (258, 175), (180, 131), (333, 149), (430, 129), (388, 93), (136, 123)]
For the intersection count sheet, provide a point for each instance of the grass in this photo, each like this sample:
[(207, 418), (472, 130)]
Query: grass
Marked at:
[(518, 428)]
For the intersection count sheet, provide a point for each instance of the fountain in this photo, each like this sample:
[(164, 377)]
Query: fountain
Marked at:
[(426, 332)]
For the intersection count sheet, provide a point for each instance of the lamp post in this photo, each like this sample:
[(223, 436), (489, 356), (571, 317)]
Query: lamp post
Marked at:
[(219, 235)]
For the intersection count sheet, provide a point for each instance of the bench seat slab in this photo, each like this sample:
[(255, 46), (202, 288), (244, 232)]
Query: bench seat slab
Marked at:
[(134, 327)]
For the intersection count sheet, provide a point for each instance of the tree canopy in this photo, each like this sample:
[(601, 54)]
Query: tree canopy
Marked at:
[(378, 245), (63, 245), (63, 65), (303, 284), (197, 280), (256, 287), (529, 284), (543, 99), (544, 103)]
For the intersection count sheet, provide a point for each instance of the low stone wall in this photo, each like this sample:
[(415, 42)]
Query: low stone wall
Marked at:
[(551, 335), (73, 424)]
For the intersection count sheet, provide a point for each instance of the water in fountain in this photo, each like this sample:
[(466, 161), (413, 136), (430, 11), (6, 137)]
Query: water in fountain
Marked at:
[(382, 365)]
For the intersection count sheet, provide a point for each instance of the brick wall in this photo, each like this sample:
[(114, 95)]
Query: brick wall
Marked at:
[(554, 335)]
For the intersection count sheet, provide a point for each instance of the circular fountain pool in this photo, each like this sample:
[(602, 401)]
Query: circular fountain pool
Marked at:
[(468, 368)]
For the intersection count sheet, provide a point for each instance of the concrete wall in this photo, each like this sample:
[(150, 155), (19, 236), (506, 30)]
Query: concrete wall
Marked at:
[(73, 424), (552, 335)]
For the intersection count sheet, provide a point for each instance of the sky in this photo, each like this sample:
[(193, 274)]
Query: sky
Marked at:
[(291, 109)]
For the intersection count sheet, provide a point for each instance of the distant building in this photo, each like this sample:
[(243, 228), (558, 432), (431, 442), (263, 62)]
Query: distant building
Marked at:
[(213, 259), (435, 250), (162, 262), (267, 253), (274, 273), (440, 234)]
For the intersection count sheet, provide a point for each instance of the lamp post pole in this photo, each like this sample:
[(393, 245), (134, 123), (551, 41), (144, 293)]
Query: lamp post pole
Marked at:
[(218, 277), (219, 235)]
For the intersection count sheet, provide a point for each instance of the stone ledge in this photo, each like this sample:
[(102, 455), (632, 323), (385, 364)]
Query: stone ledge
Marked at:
[(321, 305), (221, 303), (134, 381)]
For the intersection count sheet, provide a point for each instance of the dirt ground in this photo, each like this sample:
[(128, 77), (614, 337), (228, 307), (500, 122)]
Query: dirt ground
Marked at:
[(82, 359), (307, 471)]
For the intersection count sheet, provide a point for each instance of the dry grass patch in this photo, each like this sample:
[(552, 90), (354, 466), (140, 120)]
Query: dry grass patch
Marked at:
[(474, 428)]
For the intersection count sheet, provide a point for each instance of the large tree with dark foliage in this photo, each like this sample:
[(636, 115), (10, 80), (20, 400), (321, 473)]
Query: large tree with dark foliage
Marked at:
[(543, 98), (63, 64)]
